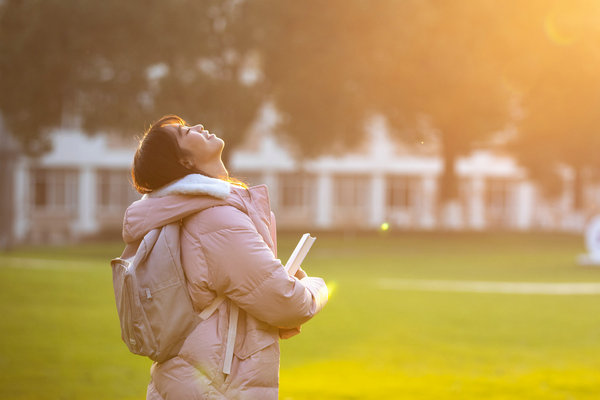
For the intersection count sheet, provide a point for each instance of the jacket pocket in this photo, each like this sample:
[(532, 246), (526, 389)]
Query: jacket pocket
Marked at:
[(254, 341)]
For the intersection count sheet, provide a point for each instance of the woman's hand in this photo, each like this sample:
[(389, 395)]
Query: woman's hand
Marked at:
[(285, 333), (300, 274)]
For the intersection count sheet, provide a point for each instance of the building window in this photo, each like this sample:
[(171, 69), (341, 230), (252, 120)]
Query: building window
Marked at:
[(351, 191), (40, 189), (400, 192), (591, 197), (498, 201), (114, 190), (295, 190), (54, 189), (466, 195)]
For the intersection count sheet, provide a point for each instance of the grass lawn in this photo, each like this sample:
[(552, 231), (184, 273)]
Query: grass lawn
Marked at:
[(59, 337)]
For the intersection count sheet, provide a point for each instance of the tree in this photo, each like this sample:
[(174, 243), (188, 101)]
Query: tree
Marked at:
[(560, 95), (306, 49), (329, 65), (454, 71), (118, 65)]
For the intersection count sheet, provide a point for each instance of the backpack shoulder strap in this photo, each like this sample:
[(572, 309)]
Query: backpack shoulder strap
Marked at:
[(210, 309)]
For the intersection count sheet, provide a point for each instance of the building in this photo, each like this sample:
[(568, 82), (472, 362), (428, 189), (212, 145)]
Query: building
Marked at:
[(82, 187), (365, 189)]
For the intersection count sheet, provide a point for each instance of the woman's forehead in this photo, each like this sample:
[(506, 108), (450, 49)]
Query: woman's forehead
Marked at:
[(175, 128)]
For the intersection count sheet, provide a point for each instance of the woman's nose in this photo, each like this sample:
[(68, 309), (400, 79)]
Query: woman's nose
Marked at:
[(199, 127)]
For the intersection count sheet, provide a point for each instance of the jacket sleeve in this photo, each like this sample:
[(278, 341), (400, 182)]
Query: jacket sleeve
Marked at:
[(243, 268)]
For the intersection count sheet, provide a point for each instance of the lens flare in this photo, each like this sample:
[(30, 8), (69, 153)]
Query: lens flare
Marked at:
[(331, 288), (554, 33), (564, 25), (384, 226)]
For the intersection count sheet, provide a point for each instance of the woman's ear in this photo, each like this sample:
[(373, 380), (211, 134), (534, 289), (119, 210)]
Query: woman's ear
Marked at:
[(186, 162)]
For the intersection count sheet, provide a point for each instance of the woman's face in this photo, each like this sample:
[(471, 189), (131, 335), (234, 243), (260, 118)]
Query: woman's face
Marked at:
[(198, 145)]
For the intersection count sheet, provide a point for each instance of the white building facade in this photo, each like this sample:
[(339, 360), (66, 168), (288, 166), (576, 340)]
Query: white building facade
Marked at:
[(83, 186), (376, 186)]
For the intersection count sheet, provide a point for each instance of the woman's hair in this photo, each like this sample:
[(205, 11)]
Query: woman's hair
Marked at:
[(157, 159)]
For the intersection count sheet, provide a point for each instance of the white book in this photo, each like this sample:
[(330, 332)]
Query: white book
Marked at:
[(301, 250)]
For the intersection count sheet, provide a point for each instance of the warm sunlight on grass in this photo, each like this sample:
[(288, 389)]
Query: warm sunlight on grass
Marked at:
[(60, 334)]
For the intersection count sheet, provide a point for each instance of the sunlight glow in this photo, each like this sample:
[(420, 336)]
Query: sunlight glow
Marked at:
[(556, 33), (331, 287), (568, 22)]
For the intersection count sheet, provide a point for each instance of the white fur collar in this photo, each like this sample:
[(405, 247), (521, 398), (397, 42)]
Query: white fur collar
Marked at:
[(194, 184)]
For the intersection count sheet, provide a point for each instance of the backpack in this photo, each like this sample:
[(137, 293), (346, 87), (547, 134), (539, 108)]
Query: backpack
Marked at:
[(154, 306)]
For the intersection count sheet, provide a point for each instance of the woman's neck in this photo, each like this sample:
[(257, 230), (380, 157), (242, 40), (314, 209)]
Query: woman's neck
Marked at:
[(216, 169)]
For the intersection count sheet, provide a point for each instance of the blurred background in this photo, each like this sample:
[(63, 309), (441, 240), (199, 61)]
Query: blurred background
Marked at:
[(420, 114), (424, 140)]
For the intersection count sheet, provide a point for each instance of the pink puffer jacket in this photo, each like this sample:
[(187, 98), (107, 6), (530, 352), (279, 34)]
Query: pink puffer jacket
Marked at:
[(228, 247)]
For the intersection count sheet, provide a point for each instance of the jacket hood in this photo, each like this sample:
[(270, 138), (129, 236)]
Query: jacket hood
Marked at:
[(188, 196)]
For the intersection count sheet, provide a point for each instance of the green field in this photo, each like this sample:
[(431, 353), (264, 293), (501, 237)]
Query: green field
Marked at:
[(59, 337)]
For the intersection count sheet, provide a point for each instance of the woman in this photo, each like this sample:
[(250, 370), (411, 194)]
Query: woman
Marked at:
[(228, 250)]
